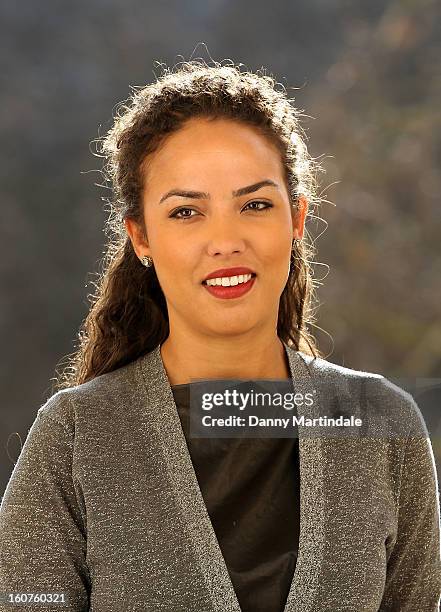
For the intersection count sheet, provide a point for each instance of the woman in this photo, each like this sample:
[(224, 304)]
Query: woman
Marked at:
[(112, 505)]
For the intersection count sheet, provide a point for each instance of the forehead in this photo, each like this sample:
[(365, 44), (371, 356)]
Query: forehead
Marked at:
[(204, 148)]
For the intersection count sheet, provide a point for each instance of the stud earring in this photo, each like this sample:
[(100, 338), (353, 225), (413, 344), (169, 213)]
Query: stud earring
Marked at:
[(146, 261)]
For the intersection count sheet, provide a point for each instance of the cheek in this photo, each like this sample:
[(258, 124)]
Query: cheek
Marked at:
[(276, 250), (277, 264), (177, 267), (167, 248)]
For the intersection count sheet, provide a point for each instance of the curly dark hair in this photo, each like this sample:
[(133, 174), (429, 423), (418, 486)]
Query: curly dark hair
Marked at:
[(128, 315)]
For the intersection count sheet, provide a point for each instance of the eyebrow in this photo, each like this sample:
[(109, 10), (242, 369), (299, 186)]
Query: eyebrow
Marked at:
[(199, 195)]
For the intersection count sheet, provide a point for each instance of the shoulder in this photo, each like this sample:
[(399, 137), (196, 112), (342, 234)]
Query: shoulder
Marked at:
[(104, 393), (377, 395)]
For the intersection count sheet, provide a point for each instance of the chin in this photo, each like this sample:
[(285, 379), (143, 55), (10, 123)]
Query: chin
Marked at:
[(236, 327)]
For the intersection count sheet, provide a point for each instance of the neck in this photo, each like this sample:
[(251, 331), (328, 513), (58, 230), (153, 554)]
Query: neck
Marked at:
[(186, 359)]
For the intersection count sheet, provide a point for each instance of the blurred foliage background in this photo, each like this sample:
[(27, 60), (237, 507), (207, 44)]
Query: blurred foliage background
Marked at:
[(367, 74)]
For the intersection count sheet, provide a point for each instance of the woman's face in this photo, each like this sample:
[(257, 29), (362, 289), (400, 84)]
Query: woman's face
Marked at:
[(216, 228)]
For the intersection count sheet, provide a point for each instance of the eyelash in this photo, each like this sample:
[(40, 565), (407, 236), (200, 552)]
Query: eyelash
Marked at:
[(268, 205)]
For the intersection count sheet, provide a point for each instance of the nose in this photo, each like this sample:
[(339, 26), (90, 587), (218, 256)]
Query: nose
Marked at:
[(225, 234), (224, 245), (226, 239)]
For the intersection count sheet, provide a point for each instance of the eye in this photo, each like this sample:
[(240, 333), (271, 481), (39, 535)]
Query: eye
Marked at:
[(175, 214), (268, 205)]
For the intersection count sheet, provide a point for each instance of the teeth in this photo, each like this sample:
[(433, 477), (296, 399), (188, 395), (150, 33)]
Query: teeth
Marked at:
[(229, 281)]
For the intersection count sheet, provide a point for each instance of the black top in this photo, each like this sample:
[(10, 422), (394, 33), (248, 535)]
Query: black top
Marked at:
[(251, 488)]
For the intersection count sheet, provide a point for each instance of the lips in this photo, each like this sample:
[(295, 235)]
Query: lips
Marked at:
[(224, 272), (231, 292)]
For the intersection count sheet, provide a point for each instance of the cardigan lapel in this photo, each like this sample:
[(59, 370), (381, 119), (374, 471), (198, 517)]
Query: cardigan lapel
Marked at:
[(192, 505), (311, 550)]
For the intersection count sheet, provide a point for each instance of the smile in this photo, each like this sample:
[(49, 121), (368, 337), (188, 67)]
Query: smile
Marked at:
[(231, 286)]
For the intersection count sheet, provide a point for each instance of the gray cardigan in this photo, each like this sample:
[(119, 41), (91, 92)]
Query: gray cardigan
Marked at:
[(104, 506)]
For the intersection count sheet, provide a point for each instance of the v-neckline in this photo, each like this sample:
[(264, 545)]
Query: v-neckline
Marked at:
[(197, 521)]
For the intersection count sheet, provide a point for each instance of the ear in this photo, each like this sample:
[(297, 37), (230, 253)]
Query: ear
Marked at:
[(137, 238), (298, 216)]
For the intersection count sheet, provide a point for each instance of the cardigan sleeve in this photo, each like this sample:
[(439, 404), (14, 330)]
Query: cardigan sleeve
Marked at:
[(42, 530), (413, 579)]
